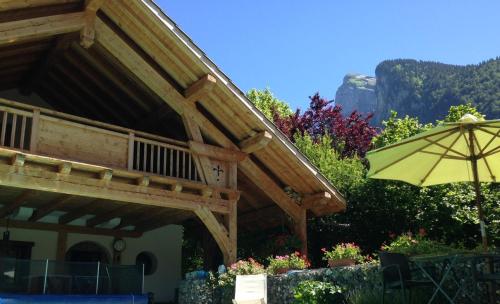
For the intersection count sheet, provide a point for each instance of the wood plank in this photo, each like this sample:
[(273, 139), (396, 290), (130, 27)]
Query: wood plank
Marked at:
[(216, 152), (256, 142), (49, 207), (233, 232), (40, 27), (300, 229), (8, 208), (44, 180), (69, 228)]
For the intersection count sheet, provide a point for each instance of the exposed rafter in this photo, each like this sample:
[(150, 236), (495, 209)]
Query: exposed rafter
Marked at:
[(69, 228), (88, 208), (49, 207), (48, 61), (40, 27), (16, 203), (107, 216)]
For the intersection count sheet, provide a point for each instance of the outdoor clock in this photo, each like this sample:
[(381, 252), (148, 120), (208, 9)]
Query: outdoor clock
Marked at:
[(119, 245)]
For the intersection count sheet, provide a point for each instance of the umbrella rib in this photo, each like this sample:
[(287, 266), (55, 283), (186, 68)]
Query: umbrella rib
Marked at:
[(447, 156), (445, 147), (489, 142), (406, 155), (488, 131), (440, 158), (450, 131), (484, 158), (491, 152)]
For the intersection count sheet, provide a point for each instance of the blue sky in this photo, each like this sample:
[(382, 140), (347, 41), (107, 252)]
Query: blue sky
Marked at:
[(300, 47)]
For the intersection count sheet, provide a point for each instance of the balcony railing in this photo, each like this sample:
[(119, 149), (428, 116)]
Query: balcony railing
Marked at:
[(55, 134)]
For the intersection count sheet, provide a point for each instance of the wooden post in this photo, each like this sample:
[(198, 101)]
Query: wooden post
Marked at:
[(34, 130), (131, 142), (62, 240), (233, 232), (300, 227)]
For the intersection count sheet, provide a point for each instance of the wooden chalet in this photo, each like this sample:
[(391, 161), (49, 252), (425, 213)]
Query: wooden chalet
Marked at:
[(115, 125)]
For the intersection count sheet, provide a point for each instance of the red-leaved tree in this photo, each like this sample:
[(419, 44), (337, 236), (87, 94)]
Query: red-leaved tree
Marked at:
[(351, 135)]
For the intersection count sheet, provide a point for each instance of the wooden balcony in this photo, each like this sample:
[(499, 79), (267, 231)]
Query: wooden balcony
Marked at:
[(45, 150)]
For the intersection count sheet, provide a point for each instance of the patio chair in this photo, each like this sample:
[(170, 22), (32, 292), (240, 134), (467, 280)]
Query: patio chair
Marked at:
[(396, 275), (251, 289), (491, 277)]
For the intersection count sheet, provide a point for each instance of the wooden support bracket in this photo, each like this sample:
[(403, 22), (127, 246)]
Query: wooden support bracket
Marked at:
[(200, 88), (216, 152), (256, 142), (18, 160), (87, 34), (65, 168)]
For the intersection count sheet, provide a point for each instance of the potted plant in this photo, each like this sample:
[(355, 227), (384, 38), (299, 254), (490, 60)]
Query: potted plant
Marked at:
[(284, 263), (344, 254)]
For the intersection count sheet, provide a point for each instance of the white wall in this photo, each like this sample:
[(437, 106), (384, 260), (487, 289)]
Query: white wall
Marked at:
[(164, 243)]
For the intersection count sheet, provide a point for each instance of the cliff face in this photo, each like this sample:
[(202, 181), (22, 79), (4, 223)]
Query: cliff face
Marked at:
[(422, 89), (357, 92)]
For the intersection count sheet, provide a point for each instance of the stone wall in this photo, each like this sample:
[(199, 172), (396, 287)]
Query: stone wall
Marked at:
[(280, 287)]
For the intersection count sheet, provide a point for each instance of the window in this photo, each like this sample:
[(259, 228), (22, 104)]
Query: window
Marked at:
[(149, 261)]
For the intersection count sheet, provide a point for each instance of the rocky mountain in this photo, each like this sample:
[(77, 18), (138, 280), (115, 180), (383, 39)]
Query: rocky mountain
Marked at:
[(357, 92), (423, 89)]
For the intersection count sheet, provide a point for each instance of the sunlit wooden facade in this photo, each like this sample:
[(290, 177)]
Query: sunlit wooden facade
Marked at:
[(110, 106)]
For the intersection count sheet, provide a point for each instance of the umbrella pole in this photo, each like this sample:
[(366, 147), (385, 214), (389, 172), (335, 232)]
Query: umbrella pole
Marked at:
[(477, 188)]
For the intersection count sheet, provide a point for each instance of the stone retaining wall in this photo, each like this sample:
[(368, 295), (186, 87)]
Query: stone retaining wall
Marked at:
[(280, 287)]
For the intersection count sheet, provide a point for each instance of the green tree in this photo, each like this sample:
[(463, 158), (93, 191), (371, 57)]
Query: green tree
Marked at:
[(265, 101)]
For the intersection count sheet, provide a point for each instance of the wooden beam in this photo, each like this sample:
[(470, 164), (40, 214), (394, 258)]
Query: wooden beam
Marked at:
[(7, 5), (16, 203), (40, 27), (144, 217), (44, 180), (203, 164), (255, 142), (216, 152), (107, 216), (49, 60), (87, 34), (69, 228), (79, 212), (62, 243), (49, 207), (201, 88), (232, 226), (218, 231), (266, 184)]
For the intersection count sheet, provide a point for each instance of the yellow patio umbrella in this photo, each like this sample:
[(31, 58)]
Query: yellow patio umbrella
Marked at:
[(463, 151)]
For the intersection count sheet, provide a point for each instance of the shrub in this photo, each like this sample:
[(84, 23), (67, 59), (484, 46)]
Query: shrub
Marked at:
[(317, 292), (415, 245), (343, 251), (287, 262)]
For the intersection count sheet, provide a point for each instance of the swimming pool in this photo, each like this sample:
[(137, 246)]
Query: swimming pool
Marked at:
[(67, 299)]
